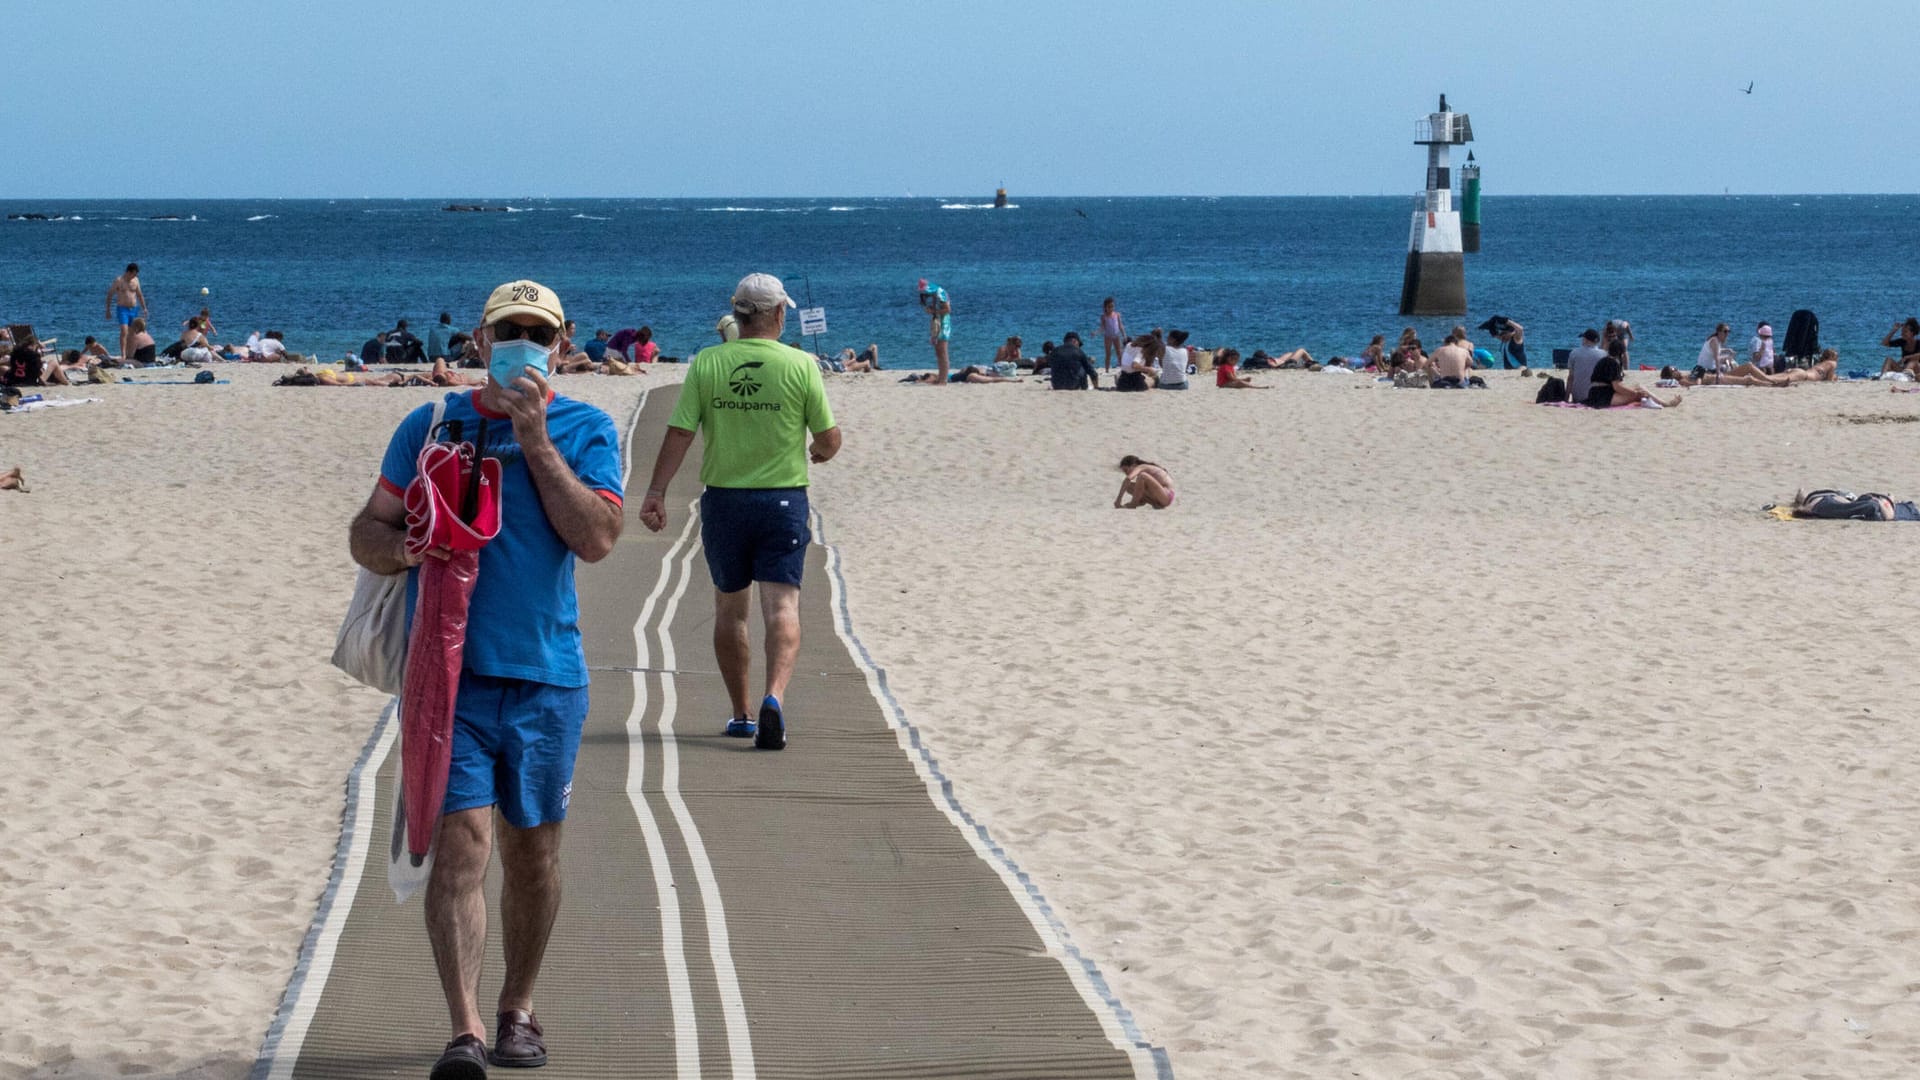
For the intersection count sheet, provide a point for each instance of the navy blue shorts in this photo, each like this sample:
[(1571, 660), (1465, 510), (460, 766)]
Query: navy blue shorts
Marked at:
[(514, 743), (754, 534)]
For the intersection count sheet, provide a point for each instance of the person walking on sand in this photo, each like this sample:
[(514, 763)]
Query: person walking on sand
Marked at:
[(755, 400), (1145, 484), (125, 303), (522, 695), (934, 299), (1113, 331)]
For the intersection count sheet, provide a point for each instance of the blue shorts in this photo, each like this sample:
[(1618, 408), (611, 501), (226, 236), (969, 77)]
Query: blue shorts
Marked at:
[(754, 534), (514, 743), (946, 328), (126, 315)]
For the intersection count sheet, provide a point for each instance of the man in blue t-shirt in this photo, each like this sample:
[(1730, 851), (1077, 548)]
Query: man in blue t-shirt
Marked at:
[(522, 698), (438, 336)]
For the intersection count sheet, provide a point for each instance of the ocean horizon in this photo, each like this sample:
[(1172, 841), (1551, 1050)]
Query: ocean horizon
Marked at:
[(1272, 272)]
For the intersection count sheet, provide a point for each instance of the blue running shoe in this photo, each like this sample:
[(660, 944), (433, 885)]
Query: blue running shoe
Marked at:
[(740, 727), (773, 727)]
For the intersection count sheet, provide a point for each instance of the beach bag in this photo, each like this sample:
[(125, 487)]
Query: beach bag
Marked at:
[(1553, 390), (372, 643)]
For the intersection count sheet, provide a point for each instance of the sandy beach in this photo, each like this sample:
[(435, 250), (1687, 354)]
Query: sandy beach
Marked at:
[(1429, 734)]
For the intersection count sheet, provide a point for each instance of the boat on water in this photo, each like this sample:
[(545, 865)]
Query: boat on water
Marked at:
[(1000, 198)]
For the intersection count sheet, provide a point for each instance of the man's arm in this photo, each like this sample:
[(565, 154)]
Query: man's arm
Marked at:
[(377, 537), (673, 451), (825, 445), (587, 523)]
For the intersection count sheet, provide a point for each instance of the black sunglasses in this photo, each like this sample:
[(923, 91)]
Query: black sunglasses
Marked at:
[(539, 335)]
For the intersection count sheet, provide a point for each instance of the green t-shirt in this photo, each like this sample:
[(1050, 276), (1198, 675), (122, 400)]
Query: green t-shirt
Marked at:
[(755, 399)]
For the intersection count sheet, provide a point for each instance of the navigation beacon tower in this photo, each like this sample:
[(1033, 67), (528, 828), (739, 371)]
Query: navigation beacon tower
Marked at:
[(1436, 280)]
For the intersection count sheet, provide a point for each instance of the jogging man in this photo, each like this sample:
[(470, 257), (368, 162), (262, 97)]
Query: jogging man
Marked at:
[(940, 331), (522, 698), (125, 303), (756, 400)]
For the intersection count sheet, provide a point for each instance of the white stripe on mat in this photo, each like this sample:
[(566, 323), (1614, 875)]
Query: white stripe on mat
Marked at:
[(310, 978), (733, 1005)]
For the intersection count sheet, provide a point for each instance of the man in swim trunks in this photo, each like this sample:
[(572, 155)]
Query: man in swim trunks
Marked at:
[(522, 697), (755, 399), (940, 332), (125, 303)]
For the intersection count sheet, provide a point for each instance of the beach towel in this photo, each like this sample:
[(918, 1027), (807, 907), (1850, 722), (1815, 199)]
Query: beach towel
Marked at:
[(56, 403), (453, 503), (178, 382)]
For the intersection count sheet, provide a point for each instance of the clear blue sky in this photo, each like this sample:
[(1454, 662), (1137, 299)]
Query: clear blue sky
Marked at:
[(220, 98)]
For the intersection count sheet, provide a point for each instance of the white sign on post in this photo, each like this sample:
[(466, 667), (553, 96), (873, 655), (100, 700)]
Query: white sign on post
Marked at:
[(813, 321)]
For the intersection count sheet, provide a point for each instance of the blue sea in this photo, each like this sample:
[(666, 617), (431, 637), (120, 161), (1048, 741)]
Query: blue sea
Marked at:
[(1272, 273)]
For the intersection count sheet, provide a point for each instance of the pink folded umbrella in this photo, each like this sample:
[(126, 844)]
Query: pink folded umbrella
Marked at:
[(453, 502)]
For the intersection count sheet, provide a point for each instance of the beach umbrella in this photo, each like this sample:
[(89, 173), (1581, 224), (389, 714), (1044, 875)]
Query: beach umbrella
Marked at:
[(453, 503)]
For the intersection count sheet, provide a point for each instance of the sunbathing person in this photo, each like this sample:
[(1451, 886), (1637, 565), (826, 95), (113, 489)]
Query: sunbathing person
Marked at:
[(1298, 358), (1714, 378), (1825, 369), (326, 376), (867, 359), (1905, 337), (972, 373), (1609, 389), (444, 375), (1145, 484), (1137, 362), (1226, 373), (1010, 354), (1407, 356), (1375, 354), (141, 343), (14, 480), (1833, 504)]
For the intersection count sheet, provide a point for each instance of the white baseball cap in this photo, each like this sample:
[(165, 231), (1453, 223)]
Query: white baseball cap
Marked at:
[(760, 292)]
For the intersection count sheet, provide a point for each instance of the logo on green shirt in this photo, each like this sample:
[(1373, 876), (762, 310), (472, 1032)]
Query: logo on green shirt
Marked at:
[(741, 381)]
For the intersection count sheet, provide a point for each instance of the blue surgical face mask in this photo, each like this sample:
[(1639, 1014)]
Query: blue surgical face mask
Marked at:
[(509, 357)]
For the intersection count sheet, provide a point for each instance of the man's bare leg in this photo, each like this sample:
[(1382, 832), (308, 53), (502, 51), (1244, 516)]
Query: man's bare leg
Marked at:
[(780, 608), (731, 646), (529, 900), (940, 358), (457, 913)]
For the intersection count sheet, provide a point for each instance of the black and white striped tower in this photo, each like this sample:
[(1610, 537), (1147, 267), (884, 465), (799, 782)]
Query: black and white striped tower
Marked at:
[(1436, 279)]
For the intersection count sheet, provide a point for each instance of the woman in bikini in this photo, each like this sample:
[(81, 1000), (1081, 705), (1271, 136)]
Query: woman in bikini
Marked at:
[(1113, 330), (1146, 484)]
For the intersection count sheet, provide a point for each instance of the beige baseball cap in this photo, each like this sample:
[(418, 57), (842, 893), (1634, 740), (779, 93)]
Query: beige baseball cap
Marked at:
[(760, 292), (523, 298)]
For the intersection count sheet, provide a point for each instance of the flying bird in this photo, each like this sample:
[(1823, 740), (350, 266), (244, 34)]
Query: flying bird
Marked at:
[(1748, 90), (1081, 212)]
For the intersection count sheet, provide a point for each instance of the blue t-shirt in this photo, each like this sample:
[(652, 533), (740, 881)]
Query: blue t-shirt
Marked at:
[(524, 620), (596, 350)]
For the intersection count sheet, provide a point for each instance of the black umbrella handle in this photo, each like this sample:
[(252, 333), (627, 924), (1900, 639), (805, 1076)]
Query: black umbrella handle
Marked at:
[(471, 507)]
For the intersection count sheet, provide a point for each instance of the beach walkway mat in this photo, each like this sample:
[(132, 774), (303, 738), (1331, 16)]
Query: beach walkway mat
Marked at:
[(825, 911)]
